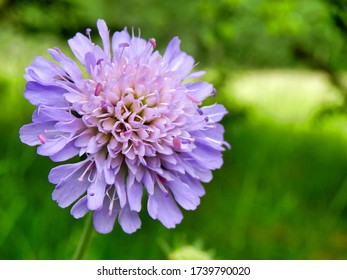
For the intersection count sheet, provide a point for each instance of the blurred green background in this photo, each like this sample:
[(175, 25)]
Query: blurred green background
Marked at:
[(279, 67)]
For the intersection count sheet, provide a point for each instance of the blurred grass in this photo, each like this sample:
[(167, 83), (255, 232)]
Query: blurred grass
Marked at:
[(281, 194), (287, 95)]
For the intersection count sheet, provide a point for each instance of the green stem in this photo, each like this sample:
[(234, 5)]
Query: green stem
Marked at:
[(86, 239)]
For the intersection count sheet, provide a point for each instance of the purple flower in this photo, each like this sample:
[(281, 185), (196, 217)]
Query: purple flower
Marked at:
[(134, 121)]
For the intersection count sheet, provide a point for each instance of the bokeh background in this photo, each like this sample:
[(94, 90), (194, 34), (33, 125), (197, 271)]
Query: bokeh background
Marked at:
[(279, 67)]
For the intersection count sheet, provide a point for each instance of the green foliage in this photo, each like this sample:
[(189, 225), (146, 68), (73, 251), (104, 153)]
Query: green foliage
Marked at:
[(261, 33)]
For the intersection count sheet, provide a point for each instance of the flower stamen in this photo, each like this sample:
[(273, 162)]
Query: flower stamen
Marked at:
[(214, 93), (42, 138), (89, 167), (98, 89), (176, 143), (112, 200), (193, 98), (123, 46), (128, 133), (88, 30), (152, 42)]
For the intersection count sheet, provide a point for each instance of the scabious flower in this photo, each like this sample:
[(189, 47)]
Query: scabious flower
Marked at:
[(134, 121)]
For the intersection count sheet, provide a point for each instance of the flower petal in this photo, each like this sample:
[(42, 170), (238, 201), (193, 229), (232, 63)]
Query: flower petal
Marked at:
[(72, 70), (39, 94), (214, 112), (195, 185), (64, 171), (148, 182), (45, 114), (134, 192), (206, 156), (80, 208), (29, 133), (120, 187), (43, 71), (152, 206), (163, 207), (197, 74), (96, 192), (212, 137), (52, 146), (80, 46), (172, 50), (104, 219), (105, 36), (177, 60), (70, 188), (69, 151), (90, 62), (119, 38), (183, 194), (199, 90), (129, 220), (74, 125)]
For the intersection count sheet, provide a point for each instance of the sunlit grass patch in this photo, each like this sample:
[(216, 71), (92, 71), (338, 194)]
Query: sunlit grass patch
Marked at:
[(285, 96)]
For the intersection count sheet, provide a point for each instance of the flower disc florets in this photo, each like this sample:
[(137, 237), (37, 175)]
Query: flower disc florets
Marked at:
[(135, 123)]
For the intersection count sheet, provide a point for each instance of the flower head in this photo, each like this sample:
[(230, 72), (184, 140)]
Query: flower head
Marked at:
[(135, 123)]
